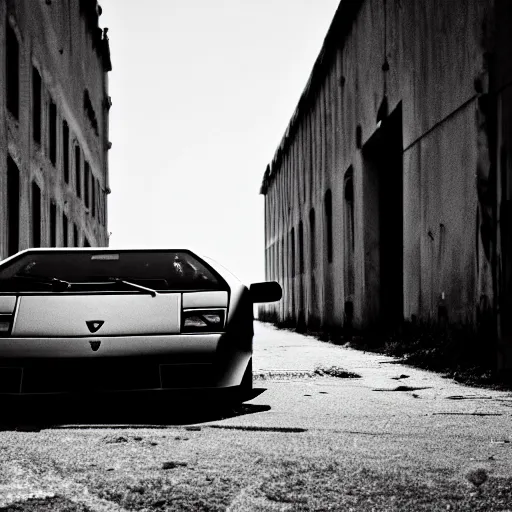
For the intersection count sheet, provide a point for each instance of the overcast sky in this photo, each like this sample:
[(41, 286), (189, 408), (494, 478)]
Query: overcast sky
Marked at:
[(202, 92)]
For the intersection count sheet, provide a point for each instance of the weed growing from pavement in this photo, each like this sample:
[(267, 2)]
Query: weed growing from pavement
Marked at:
[(336, 371)]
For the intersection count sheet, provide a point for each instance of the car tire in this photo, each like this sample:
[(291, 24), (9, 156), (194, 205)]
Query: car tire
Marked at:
[(247, 381), (244, 390)]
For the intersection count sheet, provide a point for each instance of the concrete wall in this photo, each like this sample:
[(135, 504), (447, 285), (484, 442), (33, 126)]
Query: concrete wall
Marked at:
[(62, 41), (437, 76)]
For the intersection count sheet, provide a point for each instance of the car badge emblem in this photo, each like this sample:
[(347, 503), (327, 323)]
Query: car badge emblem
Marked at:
[(94, 325), (95, 345)]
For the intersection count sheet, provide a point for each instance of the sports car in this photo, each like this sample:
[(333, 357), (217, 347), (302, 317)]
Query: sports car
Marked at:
[(103, 320)]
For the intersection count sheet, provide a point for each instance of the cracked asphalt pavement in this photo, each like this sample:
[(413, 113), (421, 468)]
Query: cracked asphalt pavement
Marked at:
[(329, 428)]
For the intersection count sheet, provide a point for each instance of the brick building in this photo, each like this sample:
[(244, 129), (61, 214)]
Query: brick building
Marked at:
[(389, 197), (54, 107)]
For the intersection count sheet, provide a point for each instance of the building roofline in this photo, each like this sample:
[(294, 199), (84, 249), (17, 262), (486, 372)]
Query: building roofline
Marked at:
[(335, 38)]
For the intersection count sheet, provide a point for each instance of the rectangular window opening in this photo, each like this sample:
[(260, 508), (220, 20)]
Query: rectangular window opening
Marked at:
[(64, 230), (93, 196), (12, 57), (36, 105), (292, 243), (53, 224), (53, 132), (36, 215), (75, 236), (312, 240), (301, 247), (78, 172), (328, 222), (13, 207), (86, 183), (65, 150)]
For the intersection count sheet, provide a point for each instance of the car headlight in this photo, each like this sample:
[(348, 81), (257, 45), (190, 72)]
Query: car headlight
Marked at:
[(203, 320), (5, 324)]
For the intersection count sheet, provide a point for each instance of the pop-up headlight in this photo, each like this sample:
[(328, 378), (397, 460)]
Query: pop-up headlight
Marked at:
[(194, 320), (5, 324)]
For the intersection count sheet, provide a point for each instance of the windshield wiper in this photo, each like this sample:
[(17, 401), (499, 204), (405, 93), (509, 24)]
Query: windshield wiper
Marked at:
[(152, 292), (58, 285)]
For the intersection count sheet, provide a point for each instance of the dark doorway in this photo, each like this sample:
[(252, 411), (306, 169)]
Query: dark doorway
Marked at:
[(383, 210), (13, 207)]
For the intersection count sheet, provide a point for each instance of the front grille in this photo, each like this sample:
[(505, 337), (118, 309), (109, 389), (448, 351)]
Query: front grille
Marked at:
[(88, 376), (10, 379), (186, 376), (85, 376)]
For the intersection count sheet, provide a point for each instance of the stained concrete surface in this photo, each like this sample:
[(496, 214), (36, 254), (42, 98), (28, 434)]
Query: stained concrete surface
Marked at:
[(306, 441)]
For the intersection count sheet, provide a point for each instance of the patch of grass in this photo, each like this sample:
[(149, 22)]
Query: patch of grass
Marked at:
[(190, 492), (53, 504), (453, 350), (325, 486)]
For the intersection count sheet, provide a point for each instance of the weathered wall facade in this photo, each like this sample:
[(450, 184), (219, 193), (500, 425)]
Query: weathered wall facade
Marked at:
[(54, 108), (389, 196)]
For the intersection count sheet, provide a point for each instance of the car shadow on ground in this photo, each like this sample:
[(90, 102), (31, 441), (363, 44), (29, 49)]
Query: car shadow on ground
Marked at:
[(126, 412)]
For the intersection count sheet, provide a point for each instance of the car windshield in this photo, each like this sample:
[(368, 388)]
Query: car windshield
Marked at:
[(107, 270)]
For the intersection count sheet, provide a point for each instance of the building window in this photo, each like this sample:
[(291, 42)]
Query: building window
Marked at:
[(328, 223), (89, 110), (75, 236), (12, 64), (53, 224), (64, 230), (36, 105), (267, 274), (53, 132), (93, 196), (292, 252), (349, 232), (78, 172), (87, 172), (283, 259), (103, 208), (301, 248), (36, 215), (349, 208), (312, 240), (13, 207), (98, 200), (65, 150)]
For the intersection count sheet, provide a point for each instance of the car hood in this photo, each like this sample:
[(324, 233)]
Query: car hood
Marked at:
[(97, 315)]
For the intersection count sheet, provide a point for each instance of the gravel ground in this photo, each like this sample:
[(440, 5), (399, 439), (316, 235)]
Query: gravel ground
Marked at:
[(218, 466)]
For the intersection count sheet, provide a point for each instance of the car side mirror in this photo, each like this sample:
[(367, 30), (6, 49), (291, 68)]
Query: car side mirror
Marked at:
[(268, 291)]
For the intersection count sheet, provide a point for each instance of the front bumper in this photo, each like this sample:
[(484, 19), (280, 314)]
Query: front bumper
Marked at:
[(120, 364)]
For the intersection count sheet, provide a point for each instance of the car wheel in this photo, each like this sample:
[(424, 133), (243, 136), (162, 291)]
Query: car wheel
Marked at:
[(246, 386)]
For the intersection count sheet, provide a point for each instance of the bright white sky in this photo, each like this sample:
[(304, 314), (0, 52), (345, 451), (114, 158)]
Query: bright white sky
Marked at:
[(202, 92)]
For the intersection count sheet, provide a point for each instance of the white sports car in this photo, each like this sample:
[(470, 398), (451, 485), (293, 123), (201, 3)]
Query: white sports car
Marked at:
[(88, 320)]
